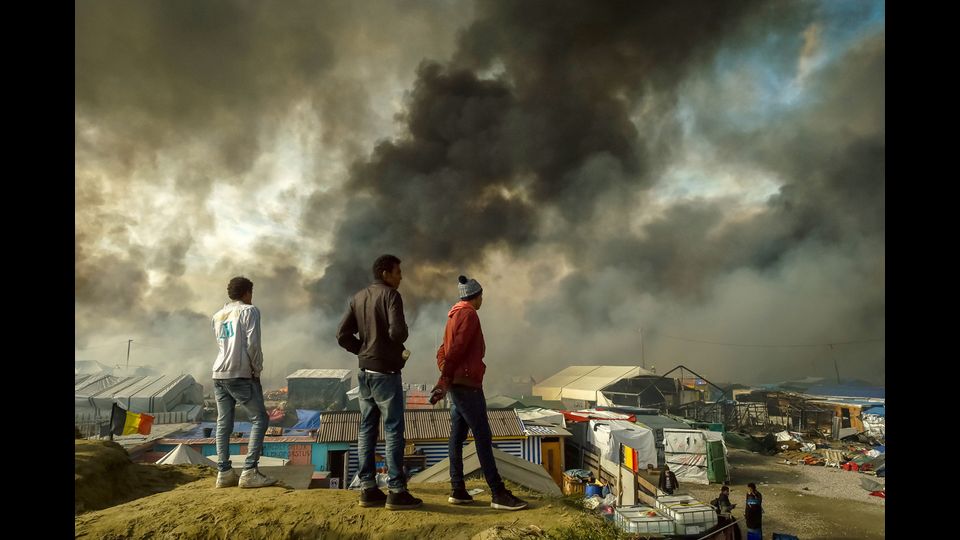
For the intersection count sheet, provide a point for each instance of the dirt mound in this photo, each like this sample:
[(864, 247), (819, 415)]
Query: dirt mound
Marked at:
[(105, 476), (198, 510)]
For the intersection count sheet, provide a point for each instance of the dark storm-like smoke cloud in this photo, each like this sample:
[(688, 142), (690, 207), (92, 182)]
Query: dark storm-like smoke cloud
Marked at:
[(483, 156)]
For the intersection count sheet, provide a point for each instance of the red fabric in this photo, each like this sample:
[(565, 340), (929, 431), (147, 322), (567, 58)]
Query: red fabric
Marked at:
[(276, 414), (460, 357), (146, 422), (881, 494)]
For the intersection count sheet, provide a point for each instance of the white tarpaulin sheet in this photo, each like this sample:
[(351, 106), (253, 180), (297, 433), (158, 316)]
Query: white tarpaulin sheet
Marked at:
[(874, 425), (546, 416), (685, 451), (607, 434)]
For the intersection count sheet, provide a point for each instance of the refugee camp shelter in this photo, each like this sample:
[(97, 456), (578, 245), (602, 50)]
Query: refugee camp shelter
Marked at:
[(89, 367), (696, 456), (427, 433), (318, 389), (649, 391), (168, 398), (580, 386), (509, 466), (184, 454), (501, 401)]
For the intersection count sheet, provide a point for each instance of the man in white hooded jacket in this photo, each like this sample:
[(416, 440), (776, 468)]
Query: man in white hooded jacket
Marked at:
[(236, 379)]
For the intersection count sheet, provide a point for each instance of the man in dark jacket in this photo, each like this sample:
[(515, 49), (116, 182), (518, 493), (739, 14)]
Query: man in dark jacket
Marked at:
[(376, 314), (460, 359), (753, 513), (668, 481)]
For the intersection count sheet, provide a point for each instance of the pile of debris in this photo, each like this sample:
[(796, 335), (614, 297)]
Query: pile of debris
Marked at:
[(850, 455)]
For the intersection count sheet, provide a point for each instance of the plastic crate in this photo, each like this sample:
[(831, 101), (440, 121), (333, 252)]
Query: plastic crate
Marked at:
[(689, 515), (637, 519)]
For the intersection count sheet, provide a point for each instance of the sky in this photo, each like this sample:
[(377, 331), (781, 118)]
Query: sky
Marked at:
[(649, 183)]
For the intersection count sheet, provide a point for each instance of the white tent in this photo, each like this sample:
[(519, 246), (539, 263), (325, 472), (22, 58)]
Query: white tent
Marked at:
[(184, 454), (584, 382)]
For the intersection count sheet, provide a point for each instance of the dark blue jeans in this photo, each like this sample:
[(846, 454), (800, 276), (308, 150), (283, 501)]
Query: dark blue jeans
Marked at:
[(468, 411), (381, 395), (249, 394)]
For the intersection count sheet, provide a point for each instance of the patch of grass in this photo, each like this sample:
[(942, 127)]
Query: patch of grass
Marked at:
[(589, 527)]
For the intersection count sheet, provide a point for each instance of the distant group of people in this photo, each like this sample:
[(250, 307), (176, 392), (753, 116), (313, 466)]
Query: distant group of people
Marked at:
[(753, 512), (373, 328)]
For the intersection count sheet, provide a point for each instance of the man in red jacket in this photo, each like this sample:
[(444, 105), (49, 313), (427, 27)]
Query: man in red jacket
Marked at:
[(460, 359)]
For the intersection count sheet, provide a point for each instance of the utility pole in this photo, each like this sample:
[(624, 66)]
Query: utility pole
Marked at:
[(835, 364), (642, 361), (129, 341)]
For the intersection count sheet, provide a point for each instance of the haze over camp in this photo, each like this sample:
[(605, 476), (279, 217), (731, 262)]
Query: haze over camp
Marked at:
[(672, 214), (721, 181)]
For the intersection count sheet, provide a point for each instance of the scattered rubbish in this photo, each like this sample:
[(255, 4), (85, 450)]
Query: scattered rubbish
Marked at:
[(474, 491)]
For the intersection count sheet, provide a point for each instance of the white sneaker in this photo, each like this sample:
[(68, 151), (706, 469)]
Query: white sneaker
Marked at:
[(227, 478), (253, 478)]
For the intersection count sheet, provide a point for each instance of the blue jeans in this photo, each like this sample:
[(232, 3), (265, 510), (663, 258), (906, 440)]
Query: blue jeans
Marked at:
[(468, 411), (754, 534), (381, 394), (249, 394)]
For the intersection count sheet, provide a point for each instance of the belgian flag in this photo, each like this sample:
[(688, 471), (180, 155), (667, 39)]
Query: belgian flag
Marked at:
[(124, 422)]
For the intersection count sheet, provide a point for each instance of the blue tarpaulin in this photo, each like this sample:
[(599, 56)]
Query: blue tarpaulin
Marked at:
[(307, 419), (843, 390), (875, 409), (197, 432)]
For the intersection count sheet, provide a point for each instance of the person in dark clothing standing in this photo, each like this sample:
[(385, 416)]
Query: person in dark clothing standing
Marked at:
[(376, 314), (722, 503), (753, 513), (668, 481), (724, 513), (460, 360)]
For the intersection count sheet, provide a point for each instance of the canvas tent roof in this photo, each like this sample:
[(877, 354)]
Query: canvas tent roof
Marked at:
[(341, 374), (89, 367), (510, 467), (150, 393), (184, 454), (541, 416), (583, 382)]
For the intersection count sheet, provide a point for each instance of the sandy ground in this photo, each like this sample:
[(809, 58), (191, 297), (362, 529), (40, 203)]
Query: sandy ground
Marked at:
[(104, 476), (833, 505), (198, 510), (180, 502)]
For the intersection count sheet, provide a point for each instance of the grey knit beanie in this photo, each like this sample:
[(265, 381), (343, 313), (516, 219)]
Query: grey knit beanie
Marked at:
[(468, 288)]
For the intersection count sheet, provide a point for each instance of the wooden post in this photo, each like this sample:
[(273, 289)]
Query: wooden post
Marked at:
[(620, 476)]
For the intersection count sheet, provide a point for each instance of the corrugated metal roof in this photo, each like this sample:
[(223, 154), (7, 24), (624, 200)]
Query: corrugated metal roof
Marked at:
[(235, 440), (510, 467), (343, 426), (341, 374)]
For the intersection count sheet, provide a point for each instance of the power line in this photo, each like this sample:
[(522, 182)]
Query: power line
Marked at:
[(767, 346)]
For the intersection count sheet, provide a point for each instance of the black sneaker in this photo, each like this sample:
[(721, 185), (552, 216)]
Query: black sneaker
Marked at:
[(460, 496), (506, 501), (402, 501), (372, 497)]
